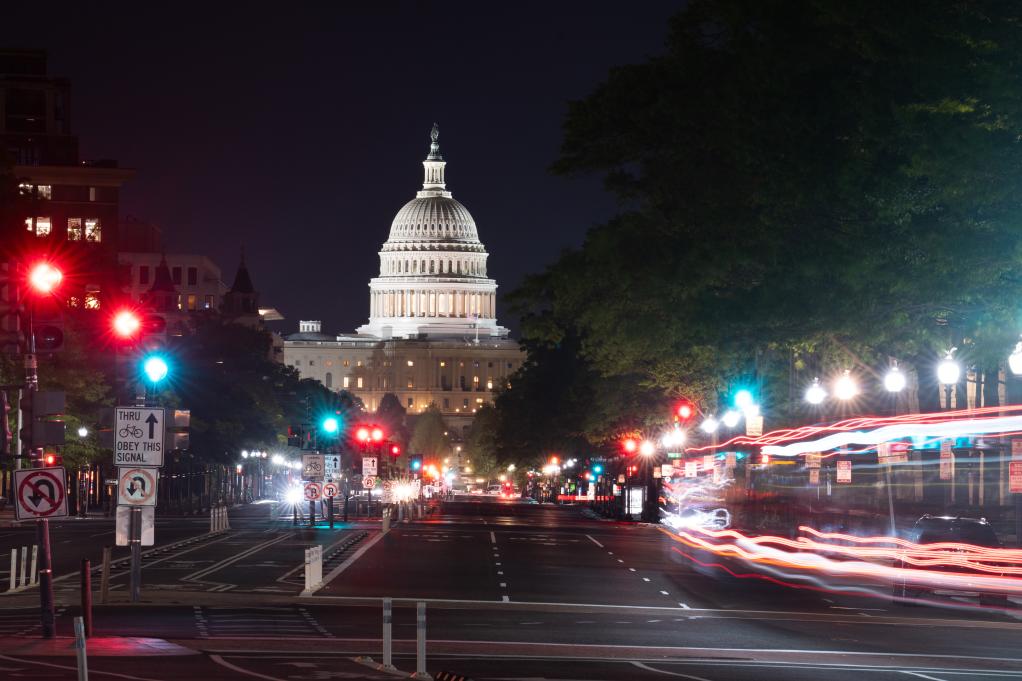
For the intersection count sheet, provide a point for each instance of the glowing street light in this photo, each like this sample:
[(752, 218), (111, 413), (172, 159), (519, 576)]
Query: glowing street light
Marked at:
[(816, 394), (731, 418), (1015, 359), (647, 448), (83, 432), (673, 438), (948, 371), (845, 387), (894, 380), (744, 400), (709, 425)]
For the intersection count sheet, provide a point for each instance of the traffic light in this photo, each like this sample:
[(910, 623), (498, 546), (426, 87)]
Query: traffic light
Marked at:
[(44, 278), (51, 459), (395, 451), (630, 445), (126, 324), (331, 425), (415, 463), (155, 368), (684, 411), (377, 434), (597, 468)]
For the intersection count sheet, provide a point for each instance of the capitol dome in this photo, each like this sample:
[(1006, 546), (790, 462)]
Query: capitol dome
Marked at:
[(433, 268)]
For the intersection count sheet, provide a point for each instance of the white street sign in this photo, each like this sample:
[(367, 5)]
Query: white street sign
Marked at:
[(369, 482), (332, 466), (136, 486), (139, 437), (369, 465), (312, 466), (313, 491), (330, 490), (122, 527), (40, 493), (844, 471)]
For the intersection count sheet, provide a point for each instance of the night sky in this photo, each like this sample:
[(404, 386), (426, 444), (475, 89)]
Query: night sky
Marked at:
[(297, 130)]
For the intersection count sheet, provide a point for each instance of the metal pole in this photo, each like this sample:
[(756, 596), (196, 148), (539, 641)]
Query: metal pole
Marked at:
[(330, 511), (890, 501), (80, 652), (312, 513), (104, 578), (86, 575), (294, 514), (45, 579), (420, 640), (388, 638), (135, 540)]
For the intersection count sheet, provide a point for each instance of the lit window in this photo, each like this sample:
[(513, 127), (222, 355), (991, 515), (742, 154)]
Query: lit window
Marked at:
[(411, 383), (479, 400), (329, 362), (411, 402), (359, 381), (74, 229), (180, 302), (475, 379), (93, 230), (475, 364), (443, 363), (92, 300), (74, 301), (92, 193), (208, 301), (358, 363), (347, 381), (45, 191), (411, 363), (192, 301), (346, 363), (42, 226), (489, 385)]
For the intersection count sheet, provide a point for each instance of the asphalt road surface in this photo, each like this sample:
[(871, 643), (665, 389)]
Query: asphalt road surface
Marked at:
[(513, 591)]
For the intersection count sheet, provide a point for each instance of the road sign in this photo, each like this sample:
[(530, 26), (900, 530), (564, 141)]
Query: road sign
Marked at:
[(1015, 476), (312, 467), (947, 461), (673, 455), (844, 471), (731, 459), (1016, 449), (666, 470), (330, 490), (369, 465), (369, 482), (122, 527), (691, 469), (136, 486), (754, 425), (332, 466), (813, 460), (138, 436), (814, 476), (40, 493), (313, 491)]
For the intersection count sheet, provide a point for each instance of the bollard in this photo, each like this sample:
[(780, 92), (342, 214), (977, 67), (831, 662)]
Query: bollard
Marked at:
[(24, 564), (14, 569), (83, 663), (386, 520), (104, 579), (420, 642), (33, 574), (388, 637), (86, 575)]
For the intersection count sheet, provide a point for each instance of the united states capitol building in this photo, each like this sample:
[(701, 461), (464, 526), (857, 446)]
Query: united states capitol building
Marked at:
[(432, 335)]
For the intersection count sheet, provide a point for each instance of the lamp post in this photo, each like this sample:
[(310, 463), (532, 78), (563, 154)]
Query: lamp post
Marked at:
[(948, 372)]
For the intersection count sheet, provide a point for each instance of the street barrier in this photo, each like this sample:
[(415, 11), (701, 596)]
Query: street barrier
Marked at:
[(80, 652), (25, 577), (313, 569), (420, 642), (386, 520), (86, 584), (388, 635), (218, 520), (104, 576)]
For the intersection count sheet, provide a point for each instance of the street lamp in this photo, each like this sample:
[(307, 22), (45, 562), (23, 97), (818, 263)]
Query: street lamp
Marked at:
[(647, 448), (731, 418), (816, 394), (894, 381), (845, 387), (709, 425), (1015, 359), (948, 372), (83, 432), (743, 400)]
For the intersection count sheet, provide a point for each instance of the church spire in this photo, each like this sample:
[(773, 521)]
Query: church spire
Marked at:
[(433, 184)]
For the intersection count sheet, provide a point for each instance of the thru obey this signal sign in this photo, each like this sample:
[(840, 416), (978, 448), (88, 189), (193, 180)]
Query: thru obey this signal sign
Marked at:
[(40, 493)]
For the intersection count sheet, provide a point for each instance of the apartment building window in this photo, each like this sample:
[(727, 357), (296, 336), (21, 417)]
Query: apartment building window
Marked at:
[(411, 402), (447, 403), (93, 230), (75, 231), (298, 362), (193, 276), (489, 384), (346, 363), (193, 302), (464, 403), (411, 363), (92, 298), (44, 191), (329, 380), (347, 381), (180, 302), (411, 383), (42, 226), (175, 274), (359, 382), (358, 363), (92, 193), (312, 362), (143, 273), (208, 301)]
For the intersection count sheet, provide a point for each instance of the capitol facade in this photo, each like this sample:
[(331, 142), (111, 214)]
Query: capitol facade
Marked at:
[(432, 335)]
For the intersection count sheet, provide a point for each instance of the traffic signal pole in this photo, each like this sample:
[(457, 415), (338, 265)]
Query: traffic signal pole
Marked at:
[(42, 527)]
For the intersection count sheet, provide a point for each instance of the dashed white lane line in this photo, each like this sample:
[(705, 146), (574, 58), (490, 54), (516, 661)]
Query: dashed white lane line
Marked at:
[(590, 537), (631, 569), (664, 592), (620, 560), (640, 665), (645, 579), (684, 606), (493, 538), (503, 585)]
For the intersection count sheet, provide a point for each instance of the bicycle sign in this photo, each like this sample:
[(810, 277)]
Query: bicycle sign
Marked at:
[(139, 439), (312, 467)]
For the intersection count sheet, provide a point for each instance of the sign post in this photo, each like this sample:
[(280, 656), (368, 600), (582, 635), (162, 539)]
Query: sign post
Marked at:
[(41, 495), (313, 491), (844, 471)]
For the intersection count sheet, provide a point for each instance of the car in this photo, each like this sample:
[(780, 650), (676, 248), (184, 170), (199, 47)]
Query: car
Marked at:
[(931, 529)]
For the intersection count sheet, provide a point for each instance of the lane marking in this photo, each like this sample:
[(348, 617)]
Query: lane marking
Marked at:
[(923, 676), (343, 566), (493, 538), (506, 599), (224, 663), (640, 665), (594, 541), (664, 592), (74, 669), (645, 579)]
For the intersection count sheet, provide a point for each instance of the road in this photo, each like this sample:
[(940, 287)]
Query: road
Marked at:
[(513, 590)]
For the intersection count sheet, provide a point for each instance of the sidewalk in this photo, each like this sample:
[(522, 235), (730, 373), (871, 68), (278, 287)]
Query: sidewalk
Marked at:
[(103, 646)]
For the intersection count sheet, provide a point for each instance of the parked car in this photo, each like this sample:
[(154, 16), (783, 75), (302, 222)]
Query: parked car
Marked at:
[(932, 529)]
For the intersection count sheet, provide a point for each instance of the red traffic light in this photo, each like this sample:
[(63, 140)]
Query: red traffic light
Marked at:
[(395, 450), (685, 410), (50, 459), (44, 277), (377, 434), (362, 434), (630, 445), (126, 324)]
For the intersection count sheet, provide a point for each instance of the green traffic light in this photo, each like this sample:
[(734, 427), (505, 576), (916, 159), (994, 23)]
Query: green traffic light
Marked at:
[(155, 368), (330, 424)]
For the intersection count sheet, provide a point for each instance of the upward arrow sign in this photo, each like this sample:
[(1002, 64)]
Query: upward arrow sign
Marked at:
[(152, 421)]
